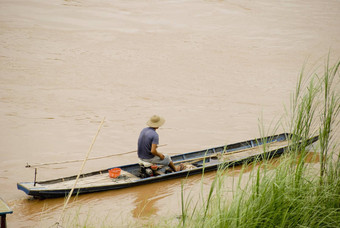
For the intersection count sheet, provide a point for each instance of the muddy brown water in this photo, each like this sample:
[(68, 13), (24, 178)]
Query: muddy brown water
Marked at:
[(211, 68)]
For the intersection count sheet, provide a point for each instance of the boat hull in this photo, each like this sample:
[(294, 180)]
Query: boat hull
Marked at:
[(206, 160)]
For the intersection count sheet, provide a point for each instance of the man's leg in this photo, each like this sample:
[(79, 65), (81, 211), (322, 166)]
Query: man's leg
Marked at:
[(166, 161), (173, 167)]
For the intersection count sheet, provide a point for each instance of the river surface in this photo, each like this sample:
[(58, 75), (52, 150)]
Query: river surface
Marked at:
[(212, 69)]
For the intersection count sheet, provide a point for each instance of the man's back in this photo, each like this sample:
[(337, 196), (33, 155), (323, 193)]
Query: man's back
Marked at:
[(147, 137)]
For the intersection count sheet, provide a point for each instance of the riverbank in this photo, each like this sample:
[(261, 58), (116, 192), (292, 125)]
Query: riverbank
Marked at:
[(294, 192)]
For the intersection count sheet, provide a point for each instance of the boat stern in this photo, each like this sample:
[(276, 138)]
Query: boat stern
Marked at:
[(30, 188)]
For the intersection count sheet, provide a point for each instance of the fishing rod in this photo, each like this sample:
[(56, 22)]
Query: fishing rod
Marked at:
[(80, 160)]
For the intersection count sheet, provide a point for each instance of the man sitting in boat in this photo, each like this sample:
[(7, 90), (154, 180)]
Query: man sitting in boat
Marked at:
[(148, 141)]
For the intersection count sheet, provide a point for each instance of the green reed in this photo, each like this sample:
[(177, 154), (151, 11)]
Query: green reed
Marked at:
[(295, 193)]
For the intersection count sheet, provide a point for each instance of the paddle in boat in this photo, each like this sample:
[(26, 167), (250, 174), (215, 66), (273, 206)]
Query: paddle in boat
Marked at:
[(144, 173)]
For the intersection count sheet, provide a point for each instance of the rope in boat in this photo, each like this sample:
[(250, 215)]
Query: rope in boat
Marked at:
[(80, 171), (80, 160)]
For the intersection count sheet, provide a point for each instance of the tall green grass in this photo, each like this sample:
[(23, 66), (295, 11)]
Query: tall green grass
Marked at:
[(295, 193)]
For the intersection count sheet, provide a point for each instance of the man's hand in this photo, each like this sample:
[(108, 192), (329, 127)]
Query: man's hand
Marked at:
[(161, 156)]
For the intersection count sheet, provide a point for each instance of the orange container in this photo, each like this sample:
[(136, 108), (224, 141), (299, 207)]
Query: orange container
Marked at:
[(154, 167), (114, 173)]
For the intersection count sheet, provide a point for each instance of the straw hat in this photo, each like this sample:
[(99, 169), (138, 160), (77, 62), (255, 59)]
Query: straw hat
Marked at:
[(155, 121)]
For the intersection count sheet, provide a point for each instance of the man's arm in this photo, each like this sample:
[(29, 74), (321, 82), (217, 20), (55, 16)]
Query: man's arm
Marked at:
[(154, 151)]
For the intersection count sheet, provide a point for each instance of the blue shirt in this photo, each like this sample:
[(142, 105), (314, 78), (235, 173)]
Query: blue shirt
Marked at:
[(147, 137)]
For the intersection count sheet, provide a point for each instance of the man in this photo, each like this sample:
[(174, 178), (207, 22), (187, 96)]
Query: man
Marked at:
[(148, 141)]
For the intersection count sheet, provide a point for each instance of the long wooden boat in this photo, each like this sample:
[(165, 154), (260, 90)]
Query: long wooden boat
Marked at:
[(199, 161)]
